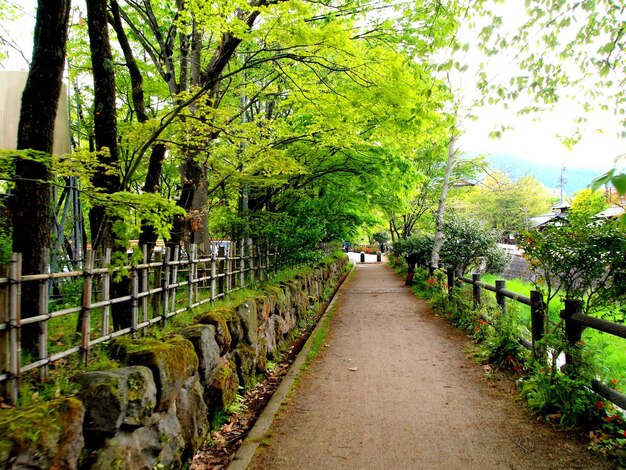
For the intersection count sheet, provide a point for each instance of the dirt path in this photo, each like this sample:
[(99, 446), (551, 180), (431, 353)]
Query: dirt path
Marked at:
[(414, 401)]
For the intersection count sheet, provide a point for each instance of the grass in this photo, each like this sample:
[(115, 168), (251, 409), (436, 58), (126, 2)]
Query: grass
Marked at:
[(610, 351)]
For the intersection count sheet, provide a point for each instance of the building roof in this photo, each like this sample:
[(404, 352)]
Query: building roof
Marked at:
[(612, 212)]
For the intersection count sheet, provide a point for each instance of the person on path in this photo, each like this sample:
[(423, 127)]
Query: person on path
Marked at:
[(411, 261)]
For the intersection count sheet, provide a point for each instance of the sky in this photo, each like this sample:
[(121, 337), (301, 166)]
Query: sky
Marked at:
[(532, 139)]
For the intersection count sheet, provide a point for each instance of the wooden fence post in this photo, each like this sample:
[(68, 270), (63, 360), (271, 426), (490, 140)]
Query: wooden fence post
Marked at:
[(165, 285), (501, 299), (431, 270), (145, 273), (450, 273), (157, 281), (106, 294), (573, 330), (221, 270), (134, 296), (242, 264), (192, 274), (476, 290), (15, 348), (86, 306), (44, 286), (214, 274), (537, 320)]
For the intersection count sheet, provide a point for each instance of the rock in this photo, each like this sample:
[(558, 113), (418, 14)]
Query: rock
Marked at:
[(157, 445), (268, 338), (222, 391), (191, 412), (279, 326), (172, 362), (42, 436), (116, 397), (222, 334), (208, 351), (245, 360), (247, 313)]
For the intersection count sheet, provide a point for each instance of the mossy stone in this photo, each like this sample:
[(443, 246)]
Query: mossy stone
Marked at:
[(43, 435), (172, 362)]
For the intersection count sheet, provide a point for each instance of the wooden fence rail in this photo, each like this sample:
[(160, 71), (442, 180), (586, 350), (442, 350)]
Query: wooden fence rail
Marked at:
[(174, 282), (574, 323)]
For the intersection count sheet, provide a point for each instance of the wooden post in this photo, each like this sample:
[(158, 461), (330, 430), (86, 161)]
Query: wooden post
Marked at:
[(134, 300), (174, 279), (157, 281), (537, 320), (15, 348), (573, 330), (221, 269), (213, 275), (501, 299), (476, 290), (106, 293), (144, 287), (252, 263), (4, 335), (450, 273), (165, 285), (43, 310), (431, 270), (192, 277), (242, 264), (86, 306)]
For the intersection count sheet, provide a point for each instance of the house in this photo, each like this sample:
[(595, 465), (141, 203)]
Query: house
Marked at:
[(556, 217)]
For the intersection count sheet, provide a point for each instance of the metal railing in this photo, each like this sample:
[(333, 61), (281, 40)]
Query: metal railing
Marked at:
[(173, 282)]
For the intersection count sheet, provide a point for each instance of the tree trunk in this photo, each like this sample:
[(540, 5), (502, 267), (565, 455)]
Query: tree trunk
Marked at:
[(438, 243), (147, 235), (31, 202), (105, 119), (105, 129)]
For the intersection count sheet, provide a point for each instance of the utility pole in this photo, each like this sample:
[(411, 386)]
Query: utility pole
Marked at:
[(562, 181)]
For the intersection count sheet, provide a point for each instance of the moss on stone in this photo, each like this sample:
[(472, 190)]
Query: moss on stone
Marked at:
[(42, 427), (225, 384)]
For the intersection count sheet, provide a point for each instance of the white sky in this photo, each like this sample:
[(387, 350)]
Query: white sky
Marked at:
[(533, 138), (536, 141)]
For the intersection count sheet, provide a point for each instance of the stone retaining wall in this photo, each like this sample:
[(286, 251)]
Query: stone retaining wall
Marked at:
[(155, 411)]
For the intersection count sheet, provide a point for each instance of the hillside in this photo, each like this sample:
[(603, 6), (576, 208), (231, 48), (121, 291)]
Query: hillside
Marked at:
[(546, 173)]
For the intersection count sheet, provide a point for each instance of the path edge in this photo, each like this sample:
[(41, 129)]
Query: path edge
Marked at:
[(246, 451)]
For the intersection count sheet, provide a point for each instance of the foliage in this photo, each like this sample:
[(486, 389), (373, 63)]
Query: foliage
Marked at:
[(566, 49), (584, 262), (563, 394), (420, 244), (585, 205), (469, 244), (503, 205)]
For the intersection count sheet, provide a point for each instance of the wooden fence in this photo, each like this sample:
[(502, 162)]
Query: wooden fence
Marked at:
[(574, 322), (171, 283)]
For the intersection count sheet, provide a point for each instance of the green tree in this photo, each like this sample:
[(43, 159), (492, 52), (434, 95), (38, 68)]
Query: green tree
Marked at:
[(585, 205), (504, 206)]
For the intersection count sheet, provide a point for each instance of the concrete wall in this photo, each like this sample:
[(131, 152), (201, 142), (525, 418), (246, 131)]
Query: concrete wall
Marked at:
[(11, 87)]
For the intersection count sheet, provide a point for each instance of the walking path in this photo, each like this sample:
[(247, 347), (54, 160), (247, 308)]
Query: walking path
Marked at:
[(393, 389)]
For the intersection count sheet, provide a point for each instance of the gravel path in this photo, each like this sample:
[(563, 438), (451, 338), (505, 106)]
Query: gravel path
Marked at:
[(393, 389)]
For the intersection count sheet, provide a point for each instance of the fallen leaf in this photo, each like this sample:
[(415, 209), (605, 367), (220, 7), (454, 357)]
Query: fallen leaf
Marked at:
[(353, 369)]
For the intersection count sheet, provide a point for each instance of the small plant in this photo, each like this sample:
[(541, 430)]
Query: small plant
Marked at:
[(562, 394)]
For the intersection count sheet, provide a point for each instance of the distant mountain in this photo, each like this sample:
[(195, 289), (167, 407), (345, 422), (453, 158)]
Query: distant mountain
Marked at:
[(547, 173)]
